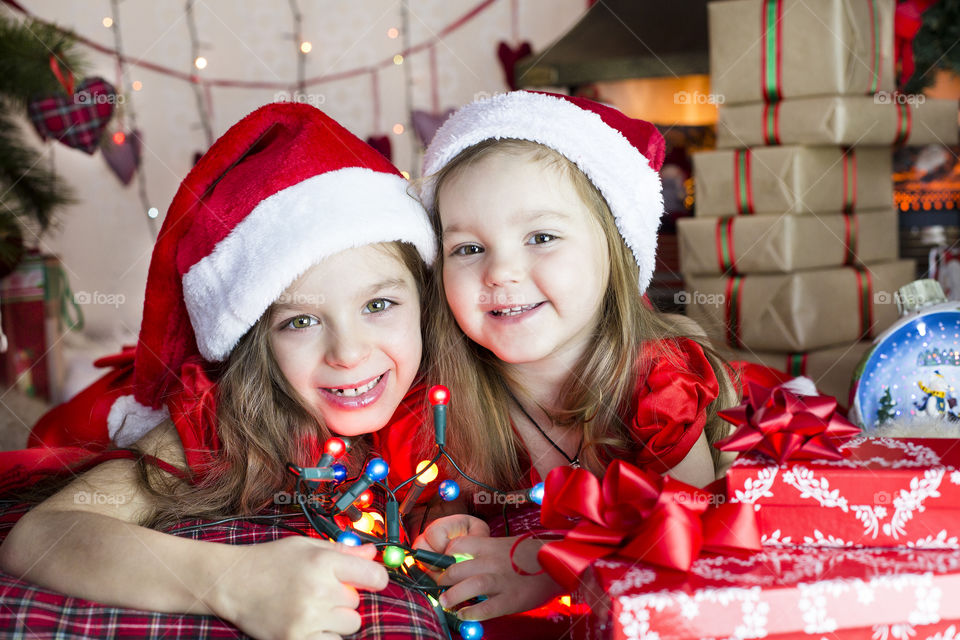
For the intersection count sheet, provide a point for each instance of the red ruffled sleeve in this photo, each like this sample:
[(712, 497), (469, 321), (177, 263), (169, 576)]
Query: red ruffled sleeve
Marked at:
[(671, 403)]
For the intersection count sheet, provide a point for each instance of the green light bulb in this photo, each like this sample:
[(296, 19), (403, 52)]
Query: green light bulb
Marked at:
[(393, 556)]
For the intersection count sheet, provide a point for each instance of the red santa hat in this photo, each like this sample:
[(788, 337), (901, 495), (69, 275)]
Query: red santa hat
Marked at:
[(281, 190), (620, 155)]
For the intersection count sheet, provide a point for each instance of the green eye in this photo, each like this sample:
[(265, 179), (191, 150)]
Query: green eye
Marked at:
[(377, 306), (302, 322)]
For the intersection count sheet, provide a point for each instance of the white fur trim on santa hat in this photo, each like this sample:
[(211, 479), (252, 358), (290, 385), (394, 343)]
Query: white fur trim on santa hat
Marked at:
[(619, 170), (228, 290), (128, 420)]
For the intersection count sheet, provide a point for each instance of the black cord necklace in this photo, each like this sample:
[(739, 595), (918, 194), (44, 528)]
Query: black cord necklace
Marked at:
[(575, 460)]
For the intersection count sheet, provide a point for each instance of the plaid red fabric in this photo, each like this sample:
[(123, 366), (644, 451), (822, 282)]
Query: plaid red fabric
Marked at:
[(77, 120), (29, 611)]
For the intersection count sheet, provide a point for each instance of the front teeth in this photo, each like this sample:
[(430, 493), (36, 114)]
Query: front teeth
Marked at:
[(513, 311), (352, 393)]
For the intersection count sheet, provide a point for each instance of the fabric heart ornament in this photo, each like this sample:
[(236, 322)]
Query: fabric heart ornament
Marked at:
[(76, 120), (382, 144), (425, 124), (123, 157), (508, 60)]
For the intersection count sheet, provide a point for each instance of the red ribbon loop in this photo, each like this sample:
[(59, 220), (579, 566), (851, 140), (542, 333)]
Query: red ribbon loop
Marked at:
[(785, 426), (66, 82), (635, 514)]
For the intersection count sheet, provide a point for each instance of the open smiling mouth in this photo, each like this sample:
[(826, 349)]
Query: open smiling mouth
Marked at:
[(353, 392), (514, 311)]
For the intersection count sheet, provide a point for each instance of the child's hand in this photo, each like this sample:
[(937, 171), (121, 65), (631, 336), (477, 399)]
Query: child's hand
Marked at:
[(439, 533), (491, 574), (297, 587)]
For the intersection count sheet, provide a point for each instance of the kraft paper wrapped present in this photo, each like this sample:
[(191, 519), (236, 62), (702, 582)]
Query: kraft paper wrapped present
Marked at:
[(883, 119), (792, 179), (887, 492), (799, 311), (779, 594), (831, 369), (768, 50), (782, 244)]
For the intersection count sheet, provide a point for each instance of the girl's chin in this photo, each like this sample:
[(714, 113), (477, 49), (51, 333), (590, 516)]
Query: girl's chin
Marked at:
[(358, 422)]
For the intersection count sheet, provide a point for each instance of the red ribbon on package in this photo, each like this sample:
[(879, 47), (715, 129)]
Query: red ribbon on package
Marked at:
[(636, 514), (785, 426)]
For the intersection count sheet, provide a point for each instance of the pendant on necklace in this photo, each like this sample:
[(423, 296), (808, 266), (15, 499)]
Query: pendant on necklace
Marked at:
[(575, 463)]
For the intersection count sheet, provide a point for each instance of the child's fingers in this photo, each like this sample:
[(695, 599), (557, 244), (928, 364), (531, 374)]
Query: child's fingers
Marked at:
[(482, 584), (360, 573), (469, 545), (442, 532), (366, 551), (490, 608), (343, 621)]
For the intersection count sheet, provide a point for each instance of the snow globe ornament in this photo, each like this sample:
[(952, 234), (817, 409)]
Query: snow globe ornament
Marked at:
[(912, 372)]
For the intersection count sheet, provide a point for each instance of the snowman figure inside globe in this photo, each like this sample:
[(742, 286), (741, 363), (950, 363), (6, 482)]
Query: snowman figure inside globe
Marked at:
[(937, 400)]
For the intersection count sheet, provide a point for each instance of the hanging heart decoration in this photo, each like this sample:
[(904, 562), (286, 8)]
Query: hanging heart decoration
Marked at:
[(122, 154), (425, 124), (76, 119), (508, 59), (382, 144)]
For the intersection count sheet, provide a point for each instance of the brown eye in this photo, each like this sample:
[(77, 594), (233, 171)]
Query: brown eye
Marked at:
[(467, 250), (542, 238)]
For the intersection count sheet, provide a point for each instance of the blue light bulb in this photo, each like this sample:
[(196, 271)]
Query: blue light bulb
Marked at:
[(339, 472), (449, 490), (536, 493), (350, 539), (377, 469), (470, 630)]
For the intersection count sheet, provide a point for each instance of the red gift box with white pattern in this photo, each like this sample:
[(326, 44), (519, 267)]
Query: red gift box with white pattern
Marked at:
[(887, 492), (780, 593)]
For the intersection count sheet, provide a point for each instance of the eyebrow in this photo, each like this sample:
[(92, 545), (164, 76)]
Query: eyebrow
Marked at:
[(520, 216), (389, 283)]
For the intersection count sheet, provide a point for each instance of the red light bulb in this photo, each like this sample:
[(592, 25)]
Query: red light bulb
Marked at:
[(119, 137), (439, 394), (365, 499), (335, 447)]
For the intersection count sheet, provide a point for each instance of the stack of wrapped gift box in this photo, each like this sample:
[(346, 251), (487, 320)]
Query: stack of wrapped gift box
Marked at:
[(858, 538), (792, 254)]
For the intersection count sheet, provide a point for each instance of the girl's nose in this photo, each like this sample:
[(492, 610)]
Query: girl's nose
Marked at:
[(347, 349), (503, 268)]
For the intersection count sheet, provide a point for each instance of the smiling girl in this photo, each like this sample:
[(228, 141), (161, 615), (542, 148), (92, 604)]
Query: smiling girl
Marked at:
[(282, 306), (547, 209)]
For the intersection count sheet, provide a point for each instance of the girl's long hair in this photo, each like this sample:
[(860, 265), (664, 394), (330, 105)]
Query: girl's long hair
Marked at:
[(262, 424), (599, 392)]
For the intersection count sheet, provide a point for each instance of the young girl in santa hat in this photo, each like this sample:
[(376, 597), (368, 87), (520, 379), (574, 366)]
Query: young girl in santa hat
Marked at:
[(282, 306), (547, 208)]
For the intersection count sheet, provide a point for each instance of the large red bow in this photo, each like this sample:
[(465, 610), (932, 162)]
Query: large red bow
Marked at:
[(784, 425), (635, 514)]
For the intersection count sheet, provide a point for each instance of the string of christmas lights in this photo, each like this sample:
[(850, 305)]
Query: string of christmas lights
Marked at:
[(343, 514)]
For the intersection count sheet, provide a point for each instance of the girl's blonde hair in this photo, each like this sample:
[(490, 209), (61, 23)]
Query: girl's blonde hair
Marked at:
[(598, 393), (263, 424)]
